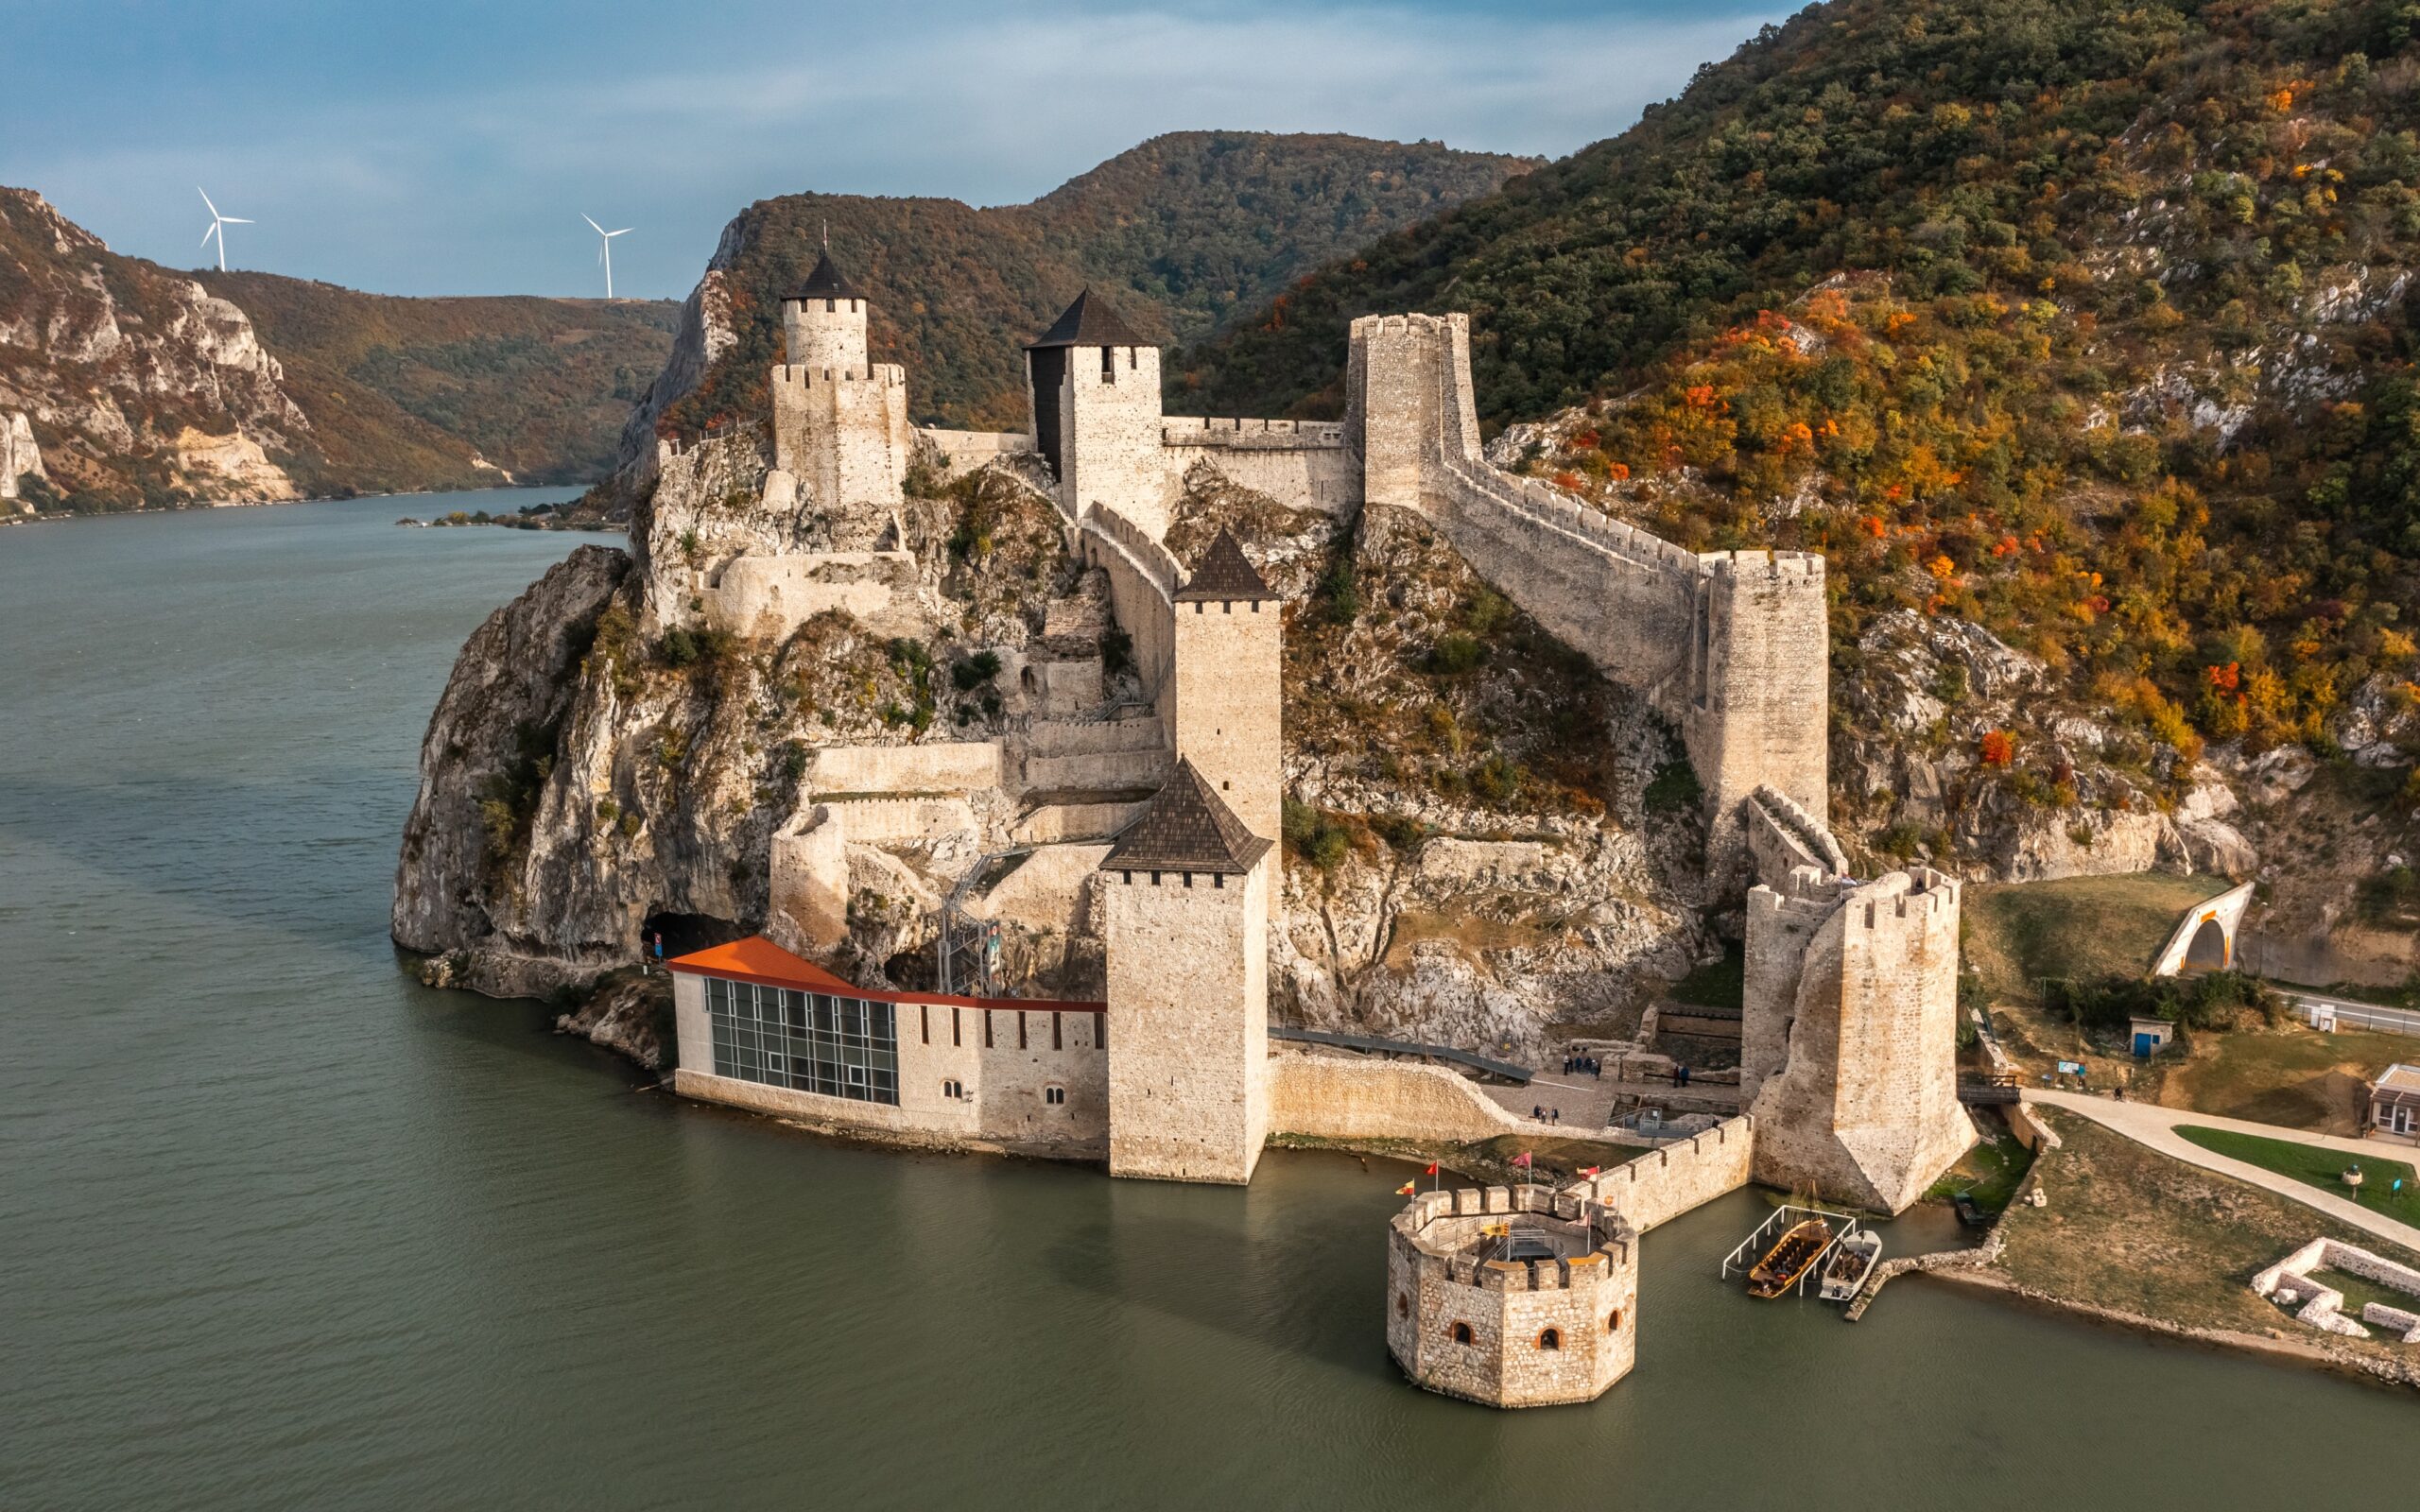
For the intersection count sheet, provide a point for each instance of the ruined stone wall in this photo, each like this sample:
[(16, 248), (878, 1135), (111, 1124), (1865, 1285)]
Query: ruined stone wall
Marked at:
[(959, 452), (1508, 1334), (1863, 1106), (1189, 979), (1094, 755), (941, 766), (774, 596), (1301, 464), (842, 433), (1110, 423), (1005, 1058)]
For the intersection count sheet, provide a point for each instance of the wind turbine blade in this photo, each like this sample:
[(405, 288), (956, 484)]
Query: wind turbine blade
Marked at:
[(600, 230), (624, 231), (212, 232), (205, 199), (234, 220)]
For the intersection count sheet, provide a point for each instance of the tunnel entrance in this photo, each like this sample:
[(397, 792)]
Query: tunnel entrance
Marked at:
[(2210, 950), (684, 932)]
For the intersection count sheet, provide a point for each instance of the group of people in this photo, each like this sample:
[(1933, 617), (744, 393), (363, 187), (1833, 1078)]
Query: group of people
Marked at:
[(1584, 1066), (1541, 1114)]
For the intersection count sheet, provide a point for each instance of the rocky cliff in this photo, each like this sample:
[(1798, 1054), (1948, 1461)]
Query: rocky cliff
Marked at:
[(131, 377), (1473, 852), (126, 385)]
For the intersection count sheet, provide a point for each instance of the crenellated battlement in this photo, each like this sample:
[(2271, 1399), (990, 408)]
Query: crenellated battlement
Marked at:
[(1779, 566), (882, 376)]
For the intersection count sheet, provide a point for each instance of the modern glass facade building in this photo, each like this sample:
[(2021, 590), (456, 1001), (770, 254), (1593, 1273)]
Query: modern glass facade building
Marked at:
[(808, 1042)]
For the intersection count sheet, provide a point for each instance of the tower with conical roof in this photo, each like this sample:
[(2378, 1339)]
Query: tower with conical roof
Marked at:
[(1094, 386), (1186, 918), (840, 419), (1228, 666)]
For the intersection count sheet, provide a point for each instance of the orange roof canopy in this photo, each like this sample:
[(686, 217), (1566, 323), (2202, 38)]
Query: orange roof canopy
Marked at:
[(759, 960)]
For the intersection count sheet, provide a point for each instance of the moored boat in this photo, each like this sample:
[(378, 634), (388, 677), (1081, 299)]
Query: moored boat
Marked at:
[(1850, 1262), (1790, 1258)]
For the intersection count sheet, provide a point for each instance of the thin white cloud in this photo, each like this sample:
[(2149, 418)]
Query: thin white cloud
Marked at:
[(477, 188)]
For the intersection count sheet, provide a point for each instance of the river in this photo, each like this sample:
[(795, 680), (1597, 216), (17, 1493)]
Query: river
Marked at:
[(279, 1227)]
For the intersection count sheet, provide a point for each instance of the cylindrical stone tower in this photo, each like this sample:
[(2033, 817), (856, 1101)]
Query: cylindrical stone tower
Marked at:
[(823, 323)]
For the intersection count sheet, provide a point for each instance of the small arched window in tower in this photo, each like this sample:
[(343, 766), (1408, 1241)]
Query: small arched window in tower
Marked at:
[(1461, 1333), (1614, 1321), (954, 1090), (1550, 1339), (1055, 1096), (1403, 1304), (1109, 365)]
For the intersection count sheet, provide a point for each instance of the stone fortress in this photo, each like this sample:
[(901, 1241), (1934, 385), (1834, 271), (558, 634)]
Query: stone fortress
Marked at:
[(1160, 813)]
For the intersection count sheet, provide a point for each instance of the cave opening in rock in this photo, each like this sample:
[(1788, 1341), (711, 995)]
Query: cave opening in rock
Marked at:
[(684, 932)]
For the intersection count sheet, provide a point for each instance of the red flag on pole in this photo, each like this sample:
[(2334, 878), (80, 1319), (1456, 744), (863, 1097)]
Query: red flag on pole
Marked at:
[(1522, 1158), (1590, 1170), (1432, 1169)]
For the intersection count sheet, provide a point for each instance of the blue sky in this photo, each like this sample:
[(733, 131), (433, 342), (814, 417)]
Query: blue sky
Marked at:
[(451, 146)]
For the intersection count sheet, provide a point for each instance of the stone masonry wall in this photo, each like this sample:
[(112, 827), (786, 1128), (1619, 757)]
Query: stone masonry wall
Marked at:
[(1508, 1334), (1004, 1058), (1302, 464), (1731, 646), (842, 434), (1864, 1108), (1226, 710), (1110, 425), (1188, 974), (1333, 1098), (941, 766)]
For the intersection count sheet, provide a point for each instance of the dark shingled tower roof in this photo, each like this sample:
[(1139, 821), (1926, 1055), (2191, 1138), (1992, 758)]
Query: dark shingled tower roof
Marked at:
[(1225, 573), (1088, 322), (1187, 828), (825, 283)]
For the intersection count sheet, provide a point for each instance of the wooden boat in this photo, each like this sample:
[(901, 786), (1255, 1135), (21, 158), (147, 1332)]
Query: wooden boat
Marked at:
[(1970, 1213), (1850, 1264), (1790, 1260)]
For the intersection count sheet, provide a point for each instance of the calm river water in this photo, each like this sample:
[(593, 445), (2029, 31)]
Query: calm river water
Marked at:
[(281, 1228)]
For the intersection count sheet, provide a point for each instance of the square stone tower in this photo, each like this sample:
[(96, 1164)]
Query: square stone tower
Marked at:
[(1849, 1038), (1187, 933), (1229, 657), (1094, 386), (839, 420)]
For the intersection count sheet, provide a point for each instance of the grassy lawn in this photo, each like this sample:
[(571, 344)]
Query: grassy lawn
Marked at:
[(2129, 1228), (2296, 1078), (2315, 1165), (1988, 1173), (2017, 932)]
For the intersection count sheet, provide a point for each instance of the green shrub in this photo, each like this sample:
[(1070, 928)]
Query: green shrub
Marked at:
[(1454, 654)]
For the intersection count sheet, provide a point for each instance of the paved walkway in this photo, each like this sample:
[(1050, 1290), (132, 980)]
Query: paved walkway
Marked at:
[(2148, 1125), (2350, 1014)]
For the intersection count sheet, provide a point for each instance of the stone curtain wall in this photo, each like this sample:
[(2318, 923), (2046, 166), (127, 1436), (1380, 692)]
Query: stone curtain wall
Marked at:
[(1667, 1181), (1189, 978), (1782, 836), (1305, 464), (959, 452), (774, 596), (1731, 645), (944, 767)]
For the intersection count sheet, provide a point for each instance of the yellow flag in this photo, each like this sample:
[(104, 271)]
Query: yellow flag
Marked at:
[(1404, 1191)]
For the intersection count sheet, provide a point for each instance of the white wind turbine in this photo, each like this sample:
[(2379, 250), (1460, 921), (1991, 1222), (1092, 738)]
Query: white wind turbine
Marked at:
[(218, 225), (605, 250)]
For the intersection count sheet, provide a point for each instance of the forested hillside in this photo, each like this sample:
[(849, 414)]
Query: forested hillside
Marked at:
[(126, 385), (538, 387), (2089, 322), (1180, 232)]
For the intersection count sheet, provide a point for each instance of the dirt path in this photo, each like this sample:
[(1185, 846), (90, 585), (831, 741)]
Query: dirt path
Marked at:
[(2154, 1127)]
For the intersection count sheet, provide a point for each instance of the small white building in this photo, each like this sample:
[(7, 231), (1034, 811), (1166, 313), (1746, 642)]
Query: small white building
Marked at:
[(2394, 1102)]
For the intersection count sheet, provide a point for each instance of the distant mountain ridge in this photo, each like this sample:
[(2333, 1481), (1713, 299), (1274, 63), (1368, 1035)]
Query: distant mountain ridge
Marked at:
[(124, 384), (1181, 233)]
